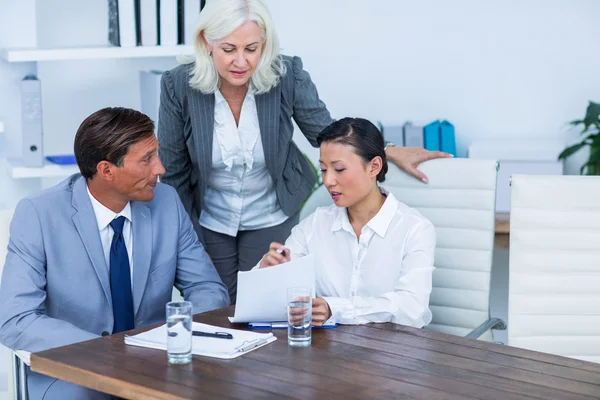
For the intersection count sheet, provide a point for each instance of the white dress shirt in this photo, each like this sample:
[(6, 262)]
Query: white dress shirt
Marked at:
[(240, 194), (384, 276), (104, 217)]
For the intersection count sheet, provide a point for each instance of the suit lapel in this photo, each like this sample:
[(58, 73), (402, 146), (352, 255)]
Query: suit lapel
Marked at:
[(142, 250), (203, 121), (87, 227), (268, 108)]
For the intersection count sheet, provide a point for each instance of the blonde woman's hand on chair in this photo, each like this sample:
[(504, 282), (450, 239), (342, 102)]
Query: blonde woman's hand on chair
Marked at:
[(408, 158), (277, 255)]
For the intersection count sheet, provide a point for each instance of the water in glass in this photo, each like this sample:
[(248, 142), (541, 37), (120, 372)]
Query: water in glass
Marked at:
[(179, 334), (299, 322)]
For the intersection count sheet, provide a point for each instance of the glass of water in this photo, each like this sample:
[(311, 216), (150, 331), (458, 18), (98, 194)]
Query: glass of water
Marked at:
[(179, 332), (299, 307)]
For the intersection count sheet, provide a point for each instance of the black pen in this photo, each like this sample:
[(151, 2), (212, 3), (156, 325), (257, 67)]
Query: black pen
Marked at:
[(217, 335)]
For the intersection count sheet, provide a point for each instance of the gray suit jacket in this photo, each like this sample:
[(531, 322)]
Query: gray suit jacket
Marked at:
[(55, 287), (185, 133)]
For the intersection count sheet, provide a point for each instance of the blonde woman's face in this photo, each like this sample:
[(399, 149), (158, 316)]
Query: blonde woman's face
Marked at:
[(237, 55)]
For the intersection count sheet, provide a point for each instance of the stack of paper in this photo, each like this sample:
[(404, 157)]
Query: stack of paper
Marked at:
[(242, 342), (262, 293)]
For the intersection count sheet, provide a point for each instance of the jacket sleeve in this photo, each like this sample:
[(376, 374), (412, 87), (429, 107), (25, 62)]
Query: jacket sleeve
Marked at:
[(310, 113), (173, 151), (24, 324)]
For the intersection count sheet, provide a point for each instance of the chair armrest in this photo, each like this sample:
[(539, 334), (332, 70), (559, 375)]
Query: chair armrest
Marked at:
[(492, 323), (20, 361), (25, 356)]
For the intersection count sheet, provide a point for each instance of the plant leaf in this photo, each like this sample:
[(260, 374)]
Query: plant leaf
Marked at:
[(592, 115), (571, 150)]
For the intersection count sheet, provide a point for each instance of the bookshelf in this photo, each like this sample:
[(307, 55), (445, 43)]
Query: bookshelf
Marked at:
[(18, 171), (91, 53)]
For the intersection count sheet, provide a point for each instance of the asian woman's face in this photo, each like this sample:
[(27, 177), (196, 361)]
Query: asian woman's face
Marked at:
[(345, 174)]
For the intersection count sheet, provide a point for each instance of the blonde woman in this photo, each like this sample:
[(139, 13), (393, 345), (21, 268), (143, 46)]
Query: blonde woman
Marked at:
[(225, 131)]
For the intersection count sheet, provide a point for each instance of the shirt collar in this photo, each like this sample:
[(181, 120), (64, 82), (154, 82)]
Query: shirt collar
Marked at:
[(104, 215), (379, 223), (220, 99)]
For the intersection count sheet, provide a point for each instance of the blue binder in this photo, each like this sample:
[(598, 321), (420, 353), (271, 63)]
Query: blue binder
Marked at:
[(447, 138), (431, 136)]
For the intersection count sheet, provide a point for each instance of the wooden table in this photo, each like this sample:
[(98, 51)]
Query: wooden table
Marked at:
[(370, 361)]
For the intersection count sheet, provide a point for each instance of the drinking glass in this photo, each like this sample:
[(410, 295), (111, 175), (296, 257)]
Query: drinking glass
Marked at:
[(299, 307), (179, 332)]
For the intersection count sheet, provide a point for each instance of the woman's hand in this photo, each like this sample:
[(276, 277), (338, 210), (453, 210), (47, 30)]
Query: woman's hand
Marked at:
[(277, 255), (408, 158), (320, 311)]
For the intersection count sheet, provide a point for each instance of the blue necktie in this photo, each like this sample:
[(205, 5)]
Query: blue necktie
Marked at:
[(120, 279)]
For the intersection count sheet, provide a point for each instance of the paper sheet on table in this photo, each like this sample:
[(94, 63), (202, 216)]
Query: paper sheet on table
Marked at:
[(262, 293)]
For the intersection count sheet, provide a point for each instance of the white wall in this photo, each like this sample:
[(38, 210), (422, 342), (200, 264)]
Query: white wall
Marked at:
[(516, 68)]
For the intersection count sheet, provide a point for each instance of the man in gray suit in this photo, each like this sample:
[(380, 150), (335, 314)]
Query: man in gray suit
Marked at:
[(67, 276)]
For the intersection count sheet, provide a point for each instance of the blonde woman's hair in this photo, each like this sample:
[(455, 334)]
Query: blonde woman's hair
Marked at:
[(218, 19)]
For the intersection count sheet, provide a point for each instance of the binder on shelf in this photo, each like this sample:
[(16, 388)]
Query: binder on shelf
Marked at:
[(31, 122), (168, 22), (148, 22), (180, 22), (127, 23), (447, 138), (113, 23), (191, 12), (393, 133), (150, 94), (431, 136), (413, 135)]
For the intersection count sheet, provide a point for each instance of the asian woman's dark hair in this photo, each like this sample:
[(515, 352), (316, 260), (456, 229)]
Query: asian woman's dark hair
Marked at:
[(362, 135)]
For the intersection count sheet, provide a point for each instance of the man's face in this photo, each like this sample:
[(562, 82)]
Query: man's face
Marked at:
[(136, 178)]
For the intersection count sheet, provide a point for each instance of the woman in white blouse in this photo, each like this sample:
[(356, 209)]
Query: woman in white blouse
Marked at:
[(374, 254)]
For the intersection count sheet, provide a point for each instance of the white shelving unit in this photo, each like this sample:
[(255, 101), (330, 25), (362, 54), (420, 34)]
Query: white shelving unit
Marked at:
[(88, 53), (49, 170)]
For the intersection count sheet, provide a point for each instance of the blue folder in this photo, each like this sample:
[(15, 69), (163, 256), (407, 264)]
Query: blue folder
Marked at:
[(447, 138), (281, 325), (431, 136)]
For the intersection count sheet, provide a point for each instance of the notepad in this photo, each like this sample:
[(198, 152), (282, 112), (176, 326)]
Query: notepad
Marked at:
[(242, 342)]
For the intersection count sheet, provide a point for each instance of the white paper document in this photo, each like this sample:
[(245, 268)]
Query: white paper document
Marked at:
[(242, 342), (262, 293)]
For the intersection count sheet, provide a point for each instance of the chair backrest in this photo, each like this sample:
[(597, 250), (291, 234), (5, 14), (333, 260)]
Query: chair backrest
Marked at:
[(459, 200), (5, 218), (554, 278)]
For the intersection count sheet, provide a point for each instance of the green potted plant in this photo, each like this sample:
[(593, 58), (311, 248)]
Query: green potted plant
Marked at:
[(591, 130)]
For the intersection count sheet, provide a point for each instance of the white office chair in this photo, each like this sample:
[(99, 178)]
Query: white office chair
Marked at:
[(460, 202), (554, 279), (17, 372)]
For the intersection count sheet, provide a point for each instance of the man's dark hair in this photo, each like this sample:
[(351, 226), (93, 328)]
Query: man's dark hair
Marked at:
[(106, 136), (362, 135)]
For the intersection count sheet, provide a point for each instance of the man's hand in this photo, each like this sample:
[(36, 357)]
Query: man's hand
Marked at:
[(408, 158), (320, 311)]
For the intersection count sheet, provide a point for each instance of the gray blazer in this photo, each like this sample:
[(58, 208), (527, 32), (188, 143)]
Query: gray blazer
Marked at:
[(55, 288), (185, 133)]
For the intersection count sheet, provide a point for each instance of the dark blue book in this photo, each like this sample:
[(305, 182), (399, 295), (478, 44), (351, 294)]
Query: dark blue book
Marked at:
[(447, 138), (431, 136)]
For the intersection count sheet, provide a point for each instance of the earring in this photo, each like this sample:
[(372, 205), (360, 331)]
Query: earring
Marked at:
[(210, 53)]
